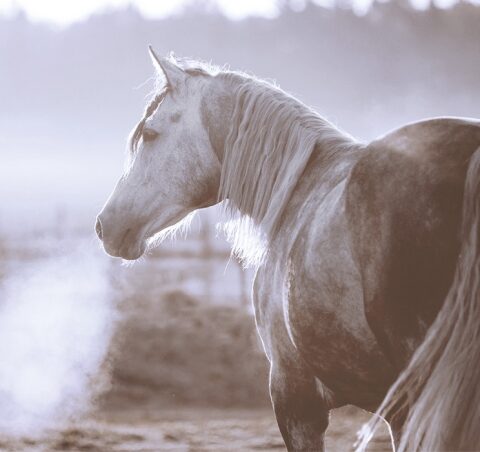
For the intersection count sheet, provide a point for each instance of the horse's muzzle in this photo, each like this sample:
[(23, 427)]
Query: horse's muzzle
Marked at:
[(128, 244)]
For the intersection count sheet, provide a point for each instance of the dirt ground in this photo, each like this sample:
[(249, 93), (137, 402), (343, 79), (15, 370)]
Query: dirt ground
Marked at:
[(192, 430)]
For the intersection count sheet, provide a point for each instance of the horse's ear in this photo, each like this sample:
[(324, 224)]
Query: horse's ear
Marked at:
[(172, 73)]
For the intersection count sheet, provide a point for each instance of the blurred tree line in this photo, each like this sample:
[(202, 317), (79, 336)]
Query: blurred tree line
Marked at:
[(366, 73)]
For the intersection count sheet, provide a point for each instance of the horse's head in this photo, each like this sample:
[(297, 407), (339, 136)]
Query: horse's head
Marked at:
[(172, 168)]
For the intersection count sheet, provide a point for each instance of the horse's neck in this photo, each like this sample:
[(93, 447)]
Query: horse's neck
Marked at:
[(217, 112), (259, 179)]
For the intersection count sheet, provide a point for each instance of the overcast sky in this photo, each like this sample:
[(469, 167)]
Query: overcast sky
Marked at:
[(63, 12)]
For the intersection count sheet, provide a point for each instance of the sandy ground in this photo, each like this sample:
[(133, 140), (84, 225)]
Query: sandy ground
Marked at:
[(190, 430)]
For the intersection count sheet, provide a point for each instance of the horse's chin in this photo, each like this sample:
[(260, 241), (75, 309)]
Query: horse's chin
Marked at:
[(129, 251), (133, 255)]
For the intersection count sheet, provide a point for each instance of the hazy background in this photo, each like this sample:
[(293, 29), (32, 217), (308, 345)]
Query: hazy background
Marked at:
[(176, 329), (70, 93)]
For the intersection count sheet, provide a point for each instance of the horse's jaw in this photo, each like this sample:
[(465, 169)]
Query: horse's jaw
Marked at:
[(130, 241)]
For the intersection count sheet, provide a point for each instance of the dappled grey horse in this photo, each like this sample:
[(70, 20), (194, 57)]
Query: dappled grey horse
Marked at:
[(367, 256)]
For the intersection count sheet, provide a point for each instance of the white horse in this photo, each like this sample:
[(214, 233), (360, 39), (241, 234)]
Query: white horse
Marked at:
[(357, 247)]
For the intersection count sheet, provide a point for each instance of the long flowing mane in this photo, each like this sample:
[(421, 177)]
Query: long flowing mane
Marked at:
[(271, 139)]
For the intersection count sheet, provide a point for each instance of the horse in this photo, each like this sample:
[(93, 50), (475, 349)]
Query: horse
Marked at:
[(367, 256)]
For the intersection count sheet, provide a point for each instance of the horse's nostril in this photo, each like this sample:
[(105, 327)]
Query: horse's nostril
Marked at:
[(98, 229)]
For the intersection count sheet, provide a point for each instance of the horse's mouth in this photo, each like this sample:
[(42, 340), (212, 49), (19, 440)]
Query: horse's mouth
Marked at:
[(129, 252), (130, 247), (133, 251)]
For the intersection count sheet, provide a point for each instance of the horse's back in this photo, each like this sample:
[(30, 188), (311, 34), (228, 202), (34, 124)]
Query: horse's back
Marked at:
[(439, 143), (404, 201)]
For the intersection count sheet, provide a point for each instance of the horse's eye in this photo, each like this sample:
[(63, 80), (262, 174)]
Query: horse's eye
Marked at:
[(149, 135)]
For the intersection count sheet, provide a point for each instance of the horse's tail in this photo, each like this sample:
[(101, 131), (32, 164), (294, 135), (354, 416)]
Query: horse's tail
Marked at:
[(440, 389)]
